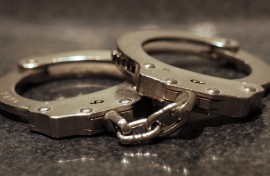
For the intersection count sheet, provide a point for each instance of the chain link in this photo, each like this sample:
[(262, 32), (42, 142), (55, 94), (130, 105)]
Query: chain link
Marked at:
[(152, 125)]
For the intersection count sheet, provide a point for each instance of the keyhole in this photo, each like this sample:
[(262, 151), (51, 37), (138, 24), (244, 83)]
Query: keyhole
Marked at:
[(197, 81), (97, 102)]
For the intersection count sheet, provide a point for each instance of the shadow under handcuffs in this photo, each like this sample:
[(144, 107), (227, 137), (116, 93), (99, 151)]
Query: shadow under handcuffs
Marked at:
[(195, 126)]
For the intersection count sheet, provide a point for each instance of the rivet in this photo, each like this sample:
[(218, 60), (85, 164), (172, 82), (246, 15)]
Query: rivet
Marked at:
[(86, 110), (116, 53), (44, 109), (125, 101), (249, 89), (149, 65), (213, 91), (171, 81), (166, 70)]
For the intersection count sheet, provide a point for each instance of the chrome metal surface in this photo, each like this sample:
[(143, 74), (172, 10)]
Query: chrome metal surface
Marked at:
[(163, 82), (179, 109), (62, 58), (81, 115), (152, 125)]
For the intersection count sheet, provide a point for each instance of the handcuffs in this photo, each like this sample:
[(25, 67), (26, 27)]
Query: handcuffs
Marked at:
[(81, 115), (180, 91)]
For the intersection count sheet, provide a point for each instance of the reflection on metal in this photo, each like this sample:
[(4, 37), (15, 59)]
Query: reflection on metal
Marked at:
[(205, 29)]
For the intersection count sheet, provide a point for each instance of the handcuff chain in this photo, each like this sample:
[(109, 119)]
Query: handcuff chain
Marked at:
[(179, 109)]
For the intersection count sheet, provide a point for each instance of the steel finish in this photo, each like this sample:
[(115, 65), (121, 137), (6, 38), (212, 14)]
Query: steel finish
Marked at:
[(81, 115), (164, 82)]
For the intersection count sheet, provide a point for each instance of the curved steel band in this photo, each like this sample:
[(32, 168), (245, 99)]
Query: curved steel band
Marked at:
[(71, 116), (163, 82)]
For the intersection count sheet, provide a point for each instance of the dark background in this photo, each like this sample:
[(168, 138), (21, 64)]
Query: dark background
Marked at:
[(218, 146)]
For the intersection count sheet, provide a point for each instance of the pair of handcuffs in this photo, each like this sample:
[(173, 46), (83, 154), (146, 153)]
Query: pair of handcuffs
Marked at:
[(116, 109)]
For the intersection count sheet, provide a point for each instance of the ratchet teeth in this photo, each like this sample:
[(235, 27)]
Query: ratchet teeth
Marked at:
[(124, 63)]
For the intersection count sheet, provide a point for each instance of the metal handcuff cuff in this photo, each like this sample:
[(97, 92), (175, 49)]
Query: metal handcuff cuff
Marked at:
[(81, 115), (185, 89), (113, 109)]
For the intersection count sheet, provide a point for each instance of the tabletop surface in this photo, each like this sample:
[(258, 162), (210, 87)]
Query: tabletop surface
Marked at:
[(210, 146)]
